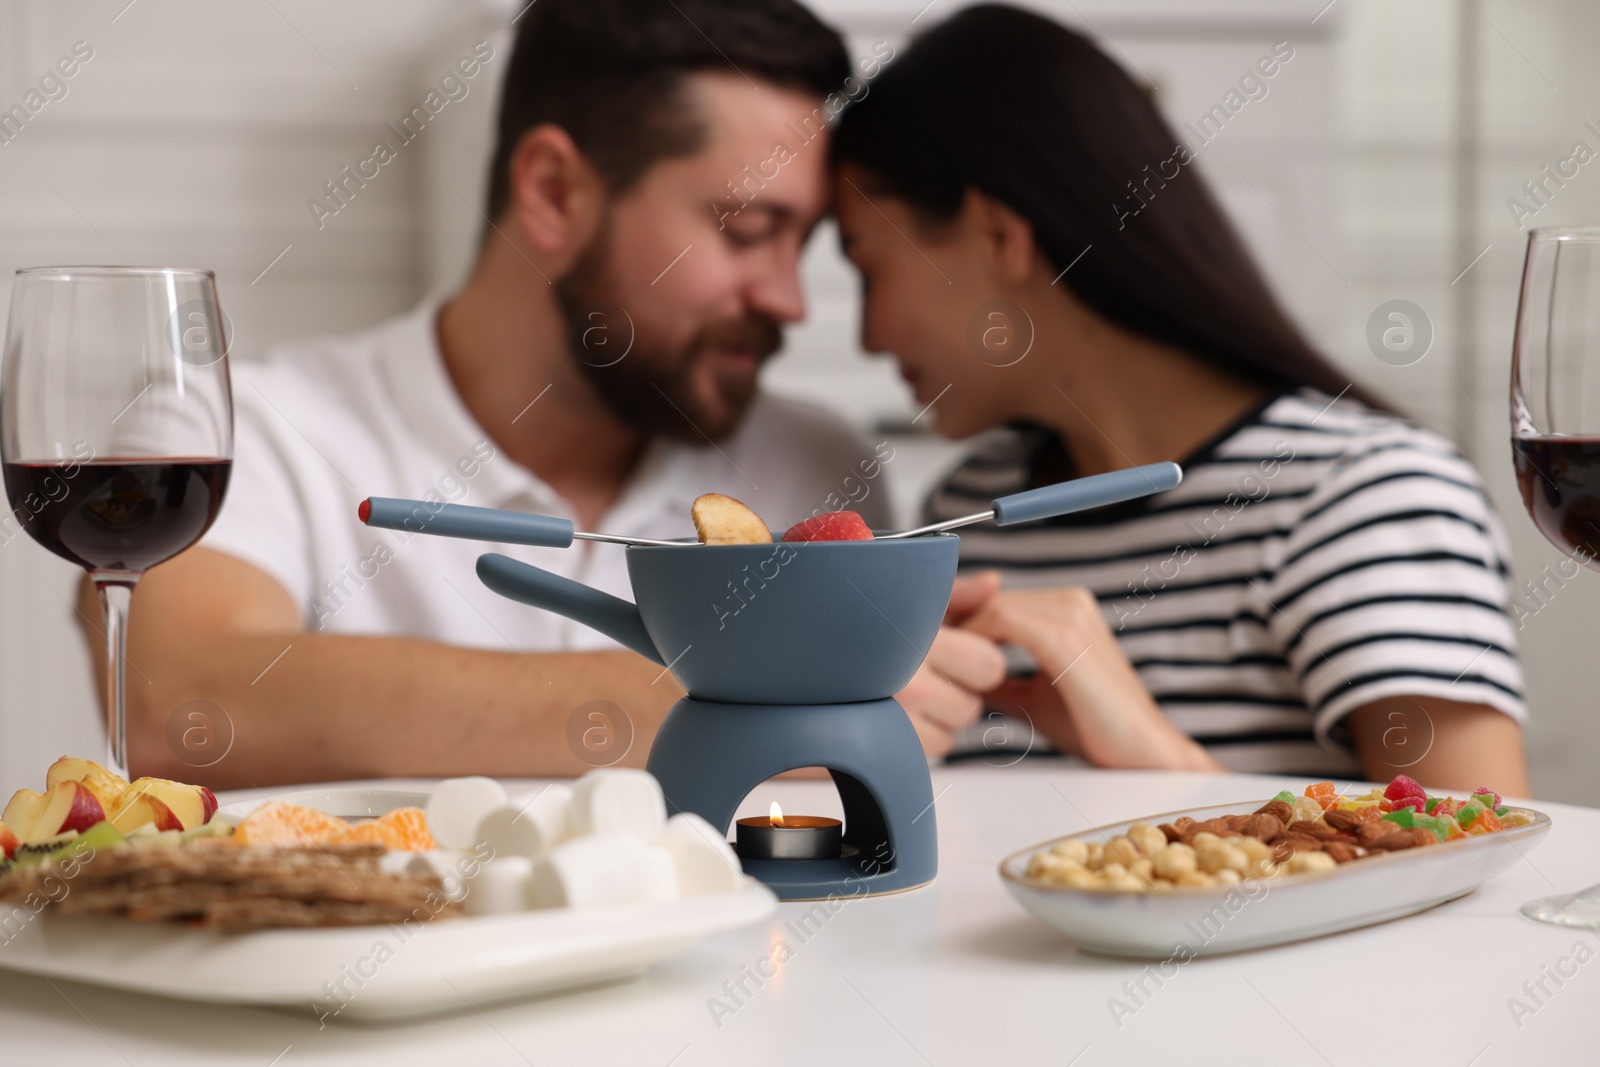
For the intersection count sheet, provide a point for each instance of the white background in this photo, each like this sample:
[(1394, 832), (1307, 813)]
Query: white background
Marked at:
[(1378, 167)]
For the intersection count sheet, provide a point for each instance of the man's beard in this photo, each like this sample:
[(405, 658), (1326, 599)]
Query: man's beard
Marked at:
[(649, 384)]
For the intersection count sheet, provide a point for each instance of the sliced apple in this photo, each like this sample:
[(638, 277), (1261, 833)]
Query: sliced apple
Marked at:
[(23, 812), (68, 806), (141, 809), (106, 786), (187, 803), (8, 840), (722, 520)]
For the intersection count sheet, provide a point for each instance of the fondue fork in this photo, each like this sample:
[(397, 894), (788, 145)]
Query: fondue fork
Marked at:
[(1062, 498), (547, 531)]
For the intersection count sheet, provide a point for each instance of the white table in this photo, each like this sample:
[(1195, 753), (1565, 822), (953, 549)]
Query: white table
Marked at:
[(957, 973)]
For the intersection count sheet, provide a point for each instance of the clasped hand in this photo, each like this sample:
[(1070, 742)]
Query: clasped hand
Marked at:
[(1085, 697)]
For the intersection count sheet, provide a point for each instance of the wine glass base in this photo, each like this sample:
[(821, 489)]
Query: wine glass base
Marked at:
[(1568, 909)]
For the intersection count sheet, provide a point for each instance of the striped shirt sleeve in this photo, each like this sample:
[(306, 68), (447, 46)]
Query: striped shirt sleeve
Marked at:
[(1394, 582)]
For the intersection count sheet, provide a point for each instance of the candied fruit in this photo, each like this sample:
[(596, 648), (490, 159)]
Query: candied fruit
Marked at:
[(1323, 793)]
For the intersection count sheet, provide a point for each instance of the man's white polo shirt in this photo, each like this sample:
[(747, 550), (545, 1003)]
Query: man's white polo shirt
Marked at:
[(321, 425)]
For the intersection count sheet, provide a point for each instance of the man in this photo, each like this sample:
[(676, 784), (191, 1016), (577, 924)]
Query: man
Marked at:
[(600, 363)]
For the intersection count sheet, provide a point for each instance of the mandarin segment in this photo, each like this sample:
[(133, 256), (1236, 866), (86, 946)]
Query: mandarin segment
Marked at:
[(401, 830), (278, 823)]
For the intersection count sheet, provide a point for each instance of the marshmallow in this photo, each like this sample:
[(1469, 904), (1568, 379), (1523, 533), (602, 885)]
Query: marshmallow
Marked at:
[(618, 800), (611, 868), (458, 805), (530, 827), (396, 862), (500, 885), (448, 866), (705, 862)]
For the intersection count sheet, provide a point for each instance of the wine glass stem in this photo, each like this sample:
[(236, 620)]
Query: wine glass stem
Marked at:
[(115, 595)]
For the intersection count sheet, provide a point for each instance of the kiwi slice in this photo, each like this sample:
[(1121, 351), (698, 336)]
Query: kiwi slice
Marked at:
[(217, 827), (28, 855), (101, 835)]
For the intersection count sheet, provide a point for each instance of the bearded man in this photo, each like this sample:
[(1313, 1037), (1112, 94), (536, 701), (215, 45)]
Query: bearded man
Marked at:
[(657, 171)]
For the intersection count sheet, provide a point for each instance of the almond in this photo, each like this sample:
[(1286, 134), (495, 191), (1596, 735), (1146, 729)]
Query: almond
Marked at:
[(1343, 820), (1279, 810), (1263, 825), (1341, 851)]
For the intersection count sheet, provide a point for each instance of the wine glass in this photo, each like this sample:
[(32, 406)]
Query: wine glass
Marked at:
[(116, 429), (1555, 435)]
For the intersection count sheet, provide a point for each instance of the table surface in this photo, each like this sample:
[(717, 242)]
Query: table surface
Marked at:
[(957, 973)]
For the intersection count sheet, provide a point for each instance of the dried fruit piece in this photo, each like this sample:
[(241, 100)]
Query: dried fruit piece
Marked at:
[(830, 526), (1403, 789), (1487, 822), (1323, 793), (722, 520), (1405, 817)]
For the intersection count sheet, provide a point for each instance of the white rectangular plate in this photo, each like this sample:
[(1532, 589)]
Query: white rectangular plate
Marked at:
[(1273, 911), (377, 972)]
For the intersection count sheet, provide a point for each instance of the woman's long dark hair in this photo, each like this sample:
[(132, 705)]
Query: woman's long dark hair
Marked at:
[(1035, 116)]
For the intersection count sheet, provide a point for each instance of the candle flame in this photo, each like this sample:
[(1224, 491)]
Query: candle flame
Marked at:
[(776, 814)]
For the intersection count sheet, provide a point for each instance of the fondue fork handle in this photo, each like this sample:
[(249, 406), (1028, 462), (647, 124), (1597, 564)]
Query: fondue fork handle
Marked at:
[(482, 524), (1063, 498), (1081, 494)]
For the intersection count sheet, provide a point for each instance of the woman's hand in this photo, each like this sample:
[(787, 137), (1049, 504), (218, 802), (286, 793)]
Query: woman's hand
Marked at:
[(1086, 697), (945, 696)]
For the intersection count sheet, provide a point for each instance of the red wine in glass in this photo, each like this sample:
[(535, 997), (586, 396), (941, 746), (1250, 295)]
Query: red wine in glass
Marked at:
[(116, 430), (1560, 482), (118, 514)]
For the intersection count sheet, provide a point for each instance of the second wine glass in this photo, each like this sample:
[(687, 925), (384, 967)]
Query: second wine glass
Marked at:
[(1555, 430)]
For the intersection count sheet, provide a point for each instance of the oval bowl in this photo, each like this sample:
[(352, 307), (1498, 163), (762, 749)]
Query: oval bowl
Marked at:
[(1256, 913)]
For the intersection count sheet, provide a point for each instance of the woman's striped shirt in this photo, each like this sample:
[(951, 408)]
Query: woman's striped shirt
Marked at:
[(1319, 555)]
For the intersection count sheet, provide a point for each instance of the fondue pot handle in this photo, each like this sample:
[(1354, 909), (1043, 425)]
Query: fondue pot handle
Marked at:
[(1083, 493), (616, 618), (460, 520)]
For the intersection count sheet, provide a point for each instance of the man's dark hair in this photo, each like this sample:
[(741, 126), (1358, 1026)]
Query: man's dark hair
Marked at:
[(611, 73)]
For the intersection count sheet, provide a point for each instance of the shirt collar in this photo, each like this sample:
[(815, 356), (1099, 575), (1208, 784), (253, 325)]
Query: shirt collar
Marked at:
[(432, 409), (654, 501)]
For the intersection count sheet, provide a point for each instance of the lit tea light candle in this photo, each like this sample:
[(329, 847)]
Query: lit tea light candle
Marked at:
[(789, 837)]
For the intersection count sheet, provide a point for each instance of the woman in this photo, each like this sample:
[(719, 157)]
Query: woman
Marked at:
[(1326, 592)]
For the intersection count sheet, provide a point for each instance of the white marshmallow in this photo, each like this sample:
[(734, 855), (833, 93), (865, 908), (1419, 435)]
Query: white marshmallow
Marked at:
[(498, 886), (396, 862), (449, 866), (705, 862), (458, 805), (618, 800), (529, 827), (614, 868)]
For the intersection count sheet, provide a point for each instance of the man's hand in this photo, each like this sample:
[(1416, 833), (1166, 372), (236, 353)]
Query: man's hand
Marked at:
[(946, 694)]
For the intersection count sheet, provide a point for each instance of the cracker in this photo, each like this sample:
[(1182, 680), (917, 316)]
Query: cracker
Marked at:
[(237, 887)]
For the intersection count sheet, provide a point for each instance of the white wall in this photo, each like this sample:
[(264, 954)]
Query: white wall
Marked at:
[(199, 130)]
